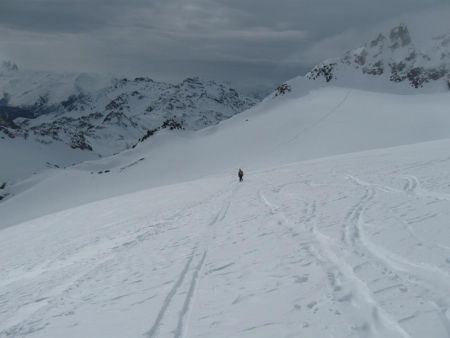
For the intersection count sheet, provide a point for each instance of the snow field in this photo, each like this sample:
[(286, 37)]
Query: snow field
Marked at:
[(349, 246)]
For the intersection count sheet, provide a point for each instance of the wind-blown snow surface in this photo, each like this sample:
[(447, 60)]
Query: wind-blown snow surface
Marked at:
[(350, 246)]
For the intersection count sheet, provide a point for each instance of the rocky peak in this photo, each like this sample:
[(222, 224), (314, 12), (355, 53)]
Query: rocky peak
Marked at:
[(379, 41), (443, 40), (192, 82), (392, 56), (110, 118), (400, 37)]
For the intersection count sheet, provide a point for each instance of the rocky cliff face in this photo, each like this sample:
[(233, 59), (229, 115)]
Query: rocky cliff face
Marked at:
[(106, 115), (393, 57)]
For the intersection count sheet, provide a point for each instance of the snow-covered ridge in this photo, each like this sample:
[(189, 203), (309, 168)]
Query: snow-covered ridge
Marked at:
[(102, 114), (390, 58)]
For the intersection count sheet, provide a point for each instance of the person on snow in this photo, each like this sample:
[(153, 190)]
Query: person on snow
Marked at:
[(241, 175)]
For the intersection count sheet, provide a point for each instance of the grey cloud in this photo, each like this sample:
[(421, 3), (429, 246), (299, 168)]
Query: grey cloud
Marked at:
[(251, 41)]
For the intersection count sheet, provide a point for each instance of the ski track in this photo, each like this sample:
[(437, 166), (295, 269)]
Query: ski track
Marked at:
[(167, 301), (339, 272), (412, 183), (429, 278), (414, 187), (332, 111), (434, 281), (182, 325), (183, 312)]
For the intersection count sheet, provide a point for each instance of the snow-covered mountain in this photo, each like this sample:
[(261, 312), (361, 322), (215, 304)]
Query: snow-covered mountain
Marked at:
[(340, 228), (88, 115), (103, 114), (390, 58), (352, 246)]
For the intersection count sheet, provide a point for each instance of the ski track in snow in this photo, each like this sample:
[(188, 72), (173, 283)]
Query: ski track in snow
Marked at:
[(430, 278), (189, 297), (432, 281), (333, 111), (154, 330), (414, 187), (340, 273), (181, 326)]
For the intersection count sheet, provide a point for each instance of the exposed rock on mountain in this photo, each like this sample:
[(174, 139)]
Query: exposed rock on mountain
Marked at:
[(106, 115), (394, 57)]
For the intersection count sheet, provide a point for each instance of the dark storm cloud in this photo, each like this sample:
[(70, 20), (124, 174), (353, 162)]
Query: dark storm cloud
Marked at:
[(252, 41)]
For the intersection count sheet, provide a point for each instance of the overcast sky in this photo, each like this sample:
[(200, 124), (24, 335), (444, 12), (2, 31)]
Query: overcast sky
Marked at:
[(243, 41)]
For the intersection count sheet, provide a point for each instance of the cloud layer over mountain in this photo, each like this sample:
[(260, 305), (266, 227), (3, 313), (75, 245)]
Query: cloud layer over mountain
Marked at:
[(252, 41)]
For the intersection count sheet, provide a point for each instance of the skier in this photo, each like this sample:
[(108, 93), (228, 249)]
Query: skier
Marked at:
[(241, 175)]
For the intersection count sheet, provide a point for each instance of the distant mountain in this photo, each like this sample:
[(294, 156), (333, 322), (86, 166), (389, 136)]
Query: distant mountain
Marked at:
[(106, 115), (50, 120), (392, 58)]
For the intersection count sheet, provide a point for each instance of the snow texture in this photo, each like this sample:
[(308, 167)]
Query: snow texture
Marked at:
[(350, 246)]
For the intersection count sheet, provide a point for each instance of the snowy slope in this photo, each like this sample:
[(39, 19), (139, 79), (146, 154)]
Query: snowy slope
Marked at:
[(300, 125), (350, 246)]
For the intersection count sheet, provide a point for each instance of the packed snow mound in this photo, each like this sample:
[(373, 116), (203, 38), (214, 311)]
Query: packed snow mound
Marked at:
[(292, 127), (390, 62), (351, 246)]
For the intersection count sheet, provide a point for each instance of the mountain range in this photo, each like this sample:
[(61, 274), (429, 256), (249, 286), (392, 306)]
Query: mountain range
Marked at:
[(58, 120), (104, 115)]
